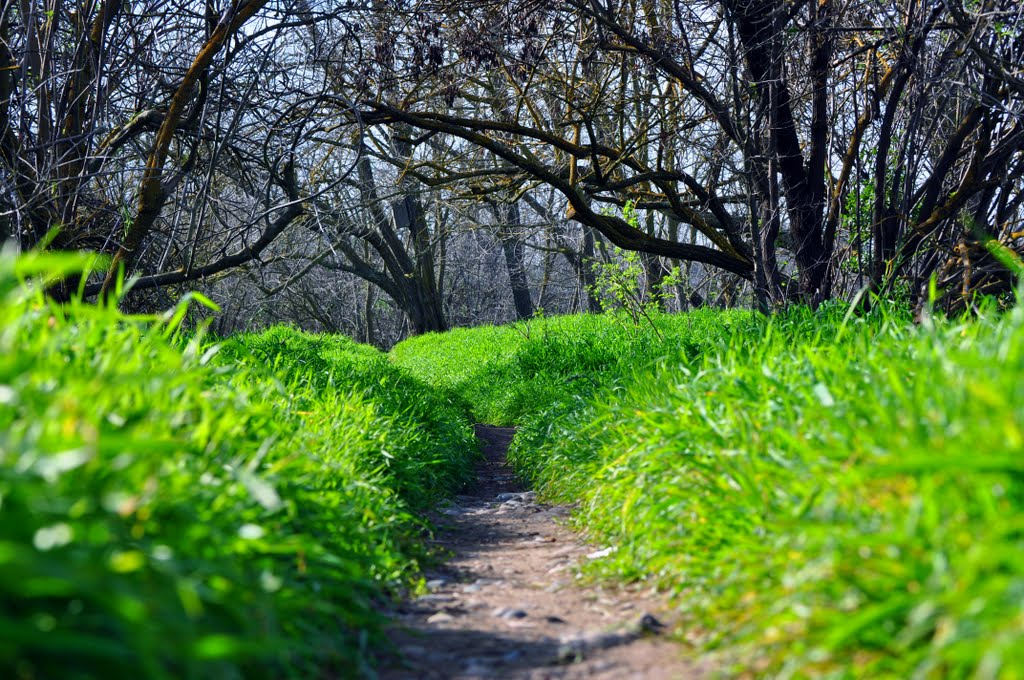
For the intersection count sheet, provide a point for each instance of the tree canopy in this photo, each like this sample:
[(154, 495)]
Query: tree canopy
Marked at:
[(780, 150)]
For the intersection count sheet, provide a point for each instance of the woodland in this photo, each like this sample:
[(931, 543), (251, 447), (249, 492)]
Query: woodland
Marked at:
[(390, 168), (741, 279)]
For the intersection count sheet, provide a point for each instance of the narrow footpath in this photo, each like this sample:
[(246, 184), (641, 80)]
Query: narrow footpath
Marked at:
[(507, 604)]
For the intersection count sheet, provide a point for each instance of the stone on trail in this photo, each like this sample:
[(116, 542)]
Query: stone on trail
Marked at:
[(512, 656), (519, 497), (576, 647), (510, 613), (440, 617), (648, 623), (474, 668)]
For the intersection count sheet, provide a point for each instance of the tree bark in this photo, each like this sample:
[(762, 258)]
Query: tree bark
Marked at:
[(509, 235)]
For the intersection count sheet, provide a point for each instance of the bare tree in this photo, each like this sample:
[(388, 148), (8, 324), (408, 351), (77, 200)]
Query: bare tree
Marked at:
[(778, 150), (748, 140)]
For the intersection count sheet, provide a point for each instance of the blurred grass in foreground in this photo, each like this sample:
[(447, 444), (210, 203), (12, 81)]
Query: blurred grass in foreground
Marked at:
[(175, 508)]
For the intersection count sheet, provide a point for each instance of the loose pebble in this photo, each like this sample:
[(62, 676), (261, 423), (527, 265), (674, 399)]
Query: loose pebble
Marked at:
[(508, 613), (649, 623), (578, 646), (440, 617), (475, 669), (512, 656)]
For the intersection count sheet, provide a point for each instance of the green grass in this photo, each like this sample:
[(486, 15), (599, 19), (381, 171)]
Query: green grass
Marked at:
[(823, 497), (178, 508), (506, 374), (828, 501), (823, 494)]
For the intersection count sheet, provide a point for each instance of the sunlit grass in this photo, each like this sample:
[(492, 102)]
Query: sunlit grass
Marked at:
[(823, 494), (176, 508), (506, 374)]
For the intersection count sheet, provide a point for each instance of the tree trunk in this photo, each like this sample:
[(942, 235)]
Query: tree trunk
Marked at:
[(801, 167), (368, 320), (588, 257), (509, 234), (422, 295)]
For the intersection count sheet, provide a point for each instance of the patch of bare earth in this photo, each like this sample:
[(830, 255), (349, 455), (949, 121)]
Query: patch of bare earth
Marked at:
[(507, 604)]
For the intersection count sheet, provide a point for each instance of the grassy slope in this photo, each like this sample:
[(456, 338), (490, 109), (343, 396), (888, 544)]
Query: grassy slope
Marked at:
[(169, 511), (505, 375), (823, 499)]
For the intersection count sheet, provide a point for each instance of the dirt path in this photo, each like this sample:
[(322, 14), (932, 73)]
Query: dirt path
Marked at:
[(507, 605)]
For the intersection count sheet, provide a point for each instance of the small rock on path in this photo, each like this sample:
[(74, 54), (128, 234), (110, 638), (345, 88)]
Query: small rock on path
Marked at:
[(507, 604)]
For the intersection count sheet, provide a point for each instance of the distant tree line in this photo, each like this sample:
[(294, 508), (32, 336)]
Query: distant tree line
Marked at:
[(387, 167)]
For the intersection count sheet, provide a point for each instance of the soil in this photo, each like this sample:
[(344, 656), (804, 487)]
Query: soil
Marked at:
[(509, 604)]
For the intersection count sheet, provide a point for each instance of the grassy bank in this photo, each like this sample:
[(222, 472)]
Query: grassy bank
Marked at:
[(178, 508), (824, 497), (505, 375), (823, 494)]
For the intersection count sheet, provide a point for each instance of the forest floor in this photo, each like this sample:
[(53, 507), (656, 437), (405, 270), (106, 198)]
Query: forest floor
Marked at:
[(508, 604)]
